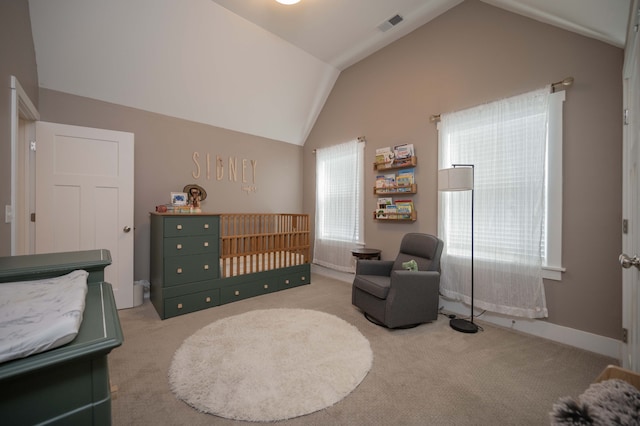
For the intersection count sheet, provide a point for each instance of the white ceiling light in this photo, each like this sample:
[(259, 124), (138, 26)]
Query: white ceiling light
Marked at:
[(288, 1)]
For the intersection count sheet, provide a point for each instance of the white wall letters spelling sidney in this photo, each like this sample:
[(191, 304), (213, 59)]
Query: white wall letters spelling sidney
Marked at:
[(247, 170)]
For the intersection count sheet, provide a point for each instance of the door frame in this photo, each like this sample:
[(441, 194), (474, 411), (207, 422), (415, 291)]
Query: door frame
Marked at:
[(24, 114), (630, 349)]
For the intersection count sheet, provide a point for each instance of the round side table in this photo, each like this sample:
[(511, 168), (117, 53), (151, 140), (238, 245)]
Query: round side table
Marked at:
[(366, 253)]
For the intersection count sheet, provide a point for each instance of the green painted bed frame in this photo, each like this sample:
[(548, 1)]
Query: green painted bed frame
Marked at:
[(68, 385)]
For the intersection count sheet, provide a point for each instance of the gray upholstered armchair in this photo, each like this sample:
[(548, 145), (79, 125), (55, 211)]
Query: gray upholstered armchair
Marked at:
[(395, 297)]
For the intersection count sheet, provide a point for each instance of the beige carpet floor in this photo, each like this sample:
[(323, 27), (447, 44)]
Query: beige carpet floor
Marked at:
[(429, 375)]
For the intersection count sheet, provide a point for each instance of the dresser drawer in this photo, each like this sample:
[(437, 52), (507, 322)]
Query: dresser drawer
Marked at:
[(191, 302), (295, 276), (182, 246), (185, 269), (243, 291), (191, 225)]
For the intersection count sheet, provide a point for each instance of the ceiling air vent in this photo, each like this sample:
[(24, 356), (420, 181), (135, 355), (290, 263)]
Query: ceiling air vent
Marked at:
[(390, 23)]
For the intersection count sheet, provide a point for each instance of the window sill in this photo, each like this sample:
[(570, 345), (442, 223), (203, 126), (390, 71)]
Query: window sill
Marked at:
[(552, 273)]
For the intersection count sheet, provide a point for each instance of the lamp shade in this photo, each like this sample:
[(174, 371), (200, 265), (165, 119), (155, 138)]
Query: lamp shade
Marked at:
[(455, 179)]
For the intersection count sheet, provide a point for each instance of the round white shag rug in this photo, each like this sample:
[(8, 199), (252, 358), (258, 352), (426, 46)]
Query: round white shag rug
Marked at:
[(270, 365)]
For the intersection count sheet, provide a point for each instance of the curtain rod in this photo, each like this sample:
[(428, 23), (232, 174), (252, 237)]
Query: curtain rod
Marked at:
[(564, 82), (361, 139)]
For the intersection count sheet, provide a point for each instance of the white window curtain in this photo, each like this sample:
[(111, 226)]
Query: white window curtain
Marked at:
[(506, 141), (339, 205)]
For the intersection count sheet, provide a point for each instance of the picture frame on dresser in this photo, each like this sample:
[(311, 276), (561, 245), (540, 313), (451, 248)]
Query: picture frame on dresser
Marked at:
[(179, 198)]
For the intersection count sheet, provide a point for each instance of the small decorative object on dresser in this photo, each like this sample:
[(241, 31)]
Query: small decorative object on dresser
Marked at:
[(179, 198), (195, 195)]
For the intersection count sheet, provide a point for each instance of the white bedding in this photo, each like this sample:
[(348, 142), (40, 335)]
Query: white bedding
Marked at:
[(36, 316)]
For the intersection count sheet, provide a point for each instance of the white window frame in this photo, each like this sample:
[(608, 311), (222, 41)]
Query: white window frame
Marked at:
[(552, 268)]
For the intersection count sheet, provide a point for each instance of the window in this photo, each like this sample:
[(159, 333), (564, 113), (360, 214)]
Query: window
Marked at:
[(516, 147), (339, 204)]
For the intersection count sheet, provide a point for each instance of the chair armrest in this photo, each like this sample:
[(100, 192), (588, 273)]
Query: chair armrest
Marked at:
[(403, 279), (374, 267), (414, 296)]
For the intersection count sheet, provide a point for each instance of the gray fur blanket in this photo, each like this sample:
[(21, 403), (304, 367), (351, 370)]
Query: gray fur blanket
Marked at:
[(611, 402)]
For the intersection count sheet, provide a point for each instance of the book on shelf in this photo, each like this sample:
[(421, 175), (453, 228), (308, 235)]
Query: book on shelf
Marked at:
[(381, 207), (391, 211), (404, 209), (404, 206), (390, 180), (405, 177), (383, 202), (403, 151), (381, 182), (384, 155)]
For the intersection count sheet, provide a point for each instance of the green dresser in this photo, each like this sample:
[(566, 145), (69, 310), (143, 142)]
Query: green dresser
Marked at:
[(185, 267), (67, 385), (184, 263)]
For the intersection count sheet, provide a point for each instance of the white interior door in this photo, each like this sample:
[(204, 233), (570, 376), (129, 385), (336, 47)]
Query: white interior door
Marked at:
[(84, 197), (630, 203)]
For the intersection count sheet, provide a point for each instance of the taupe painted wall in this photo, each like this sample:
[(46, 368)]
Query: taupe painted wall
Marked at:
[(473, 54), (164, 148), (17, 58)]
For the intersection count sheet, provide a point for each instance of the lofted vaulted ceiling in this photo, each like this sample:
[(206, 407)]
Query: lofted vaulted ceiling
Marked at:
[(253, 66)]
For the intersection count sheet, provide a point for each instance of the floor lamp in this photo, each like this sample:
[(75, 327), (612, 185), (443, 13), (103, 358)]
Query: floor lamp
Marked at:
[(460, 178)]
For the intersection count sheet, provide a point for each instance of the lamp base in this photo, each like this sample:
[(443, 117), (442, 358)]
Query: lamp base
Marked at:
[(463, 325)]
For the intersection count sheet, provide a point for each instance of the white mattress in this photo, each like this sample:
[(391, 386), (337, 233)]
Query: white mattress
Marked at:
[(36, 316)]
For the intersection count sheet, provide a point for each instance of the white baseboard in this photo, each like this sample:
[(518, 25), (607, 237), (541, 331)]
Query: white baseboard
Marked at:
[(569, 336), (331, 273), (565, 335)]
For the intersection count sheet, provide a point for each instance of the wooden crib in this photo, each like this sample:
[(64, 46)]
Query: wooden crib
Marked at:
[(204, 260), (261, 242)]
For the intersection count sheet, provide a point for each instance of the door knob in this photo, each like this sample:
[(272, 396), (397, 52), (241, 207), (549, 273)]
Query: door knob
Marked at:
[(627, 262), (126, 229)]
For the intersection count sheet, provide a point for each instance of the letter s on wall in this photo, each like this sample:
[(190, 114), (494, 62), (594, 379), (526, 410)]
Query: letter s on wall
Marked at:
[(196, 173)]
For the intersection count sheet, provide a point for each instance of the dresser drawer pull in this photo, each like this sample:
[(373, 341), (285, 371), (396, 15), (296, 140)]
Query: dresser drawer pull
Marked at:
[(206, 267), (179, 227), (237, 293), (286, 281), (179, 305), (302, 278), (206, 243), (179, 270), (266, 286), (206, 226), (208, 300), (179, 246)]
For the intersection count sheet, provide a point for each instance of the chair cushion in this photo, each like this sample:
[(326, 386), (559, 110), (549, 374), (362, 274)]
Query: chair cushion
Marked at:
[(375, 285), (425, 249)]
